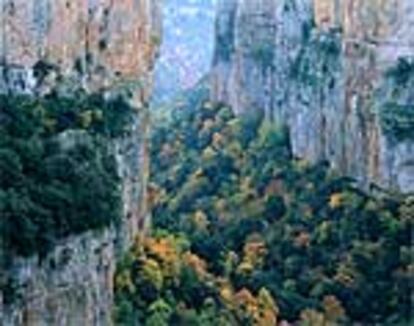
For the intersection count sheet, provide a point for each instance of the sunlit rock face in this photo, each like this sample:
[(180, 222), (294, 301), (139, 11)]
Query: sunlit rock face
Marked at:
[(99, 46), (324, 68), (98, 42)]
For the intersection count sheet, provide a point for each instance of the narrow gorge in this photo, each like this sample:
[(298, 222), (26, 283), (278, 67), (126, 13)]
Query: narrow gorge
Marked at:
[(141, 185)]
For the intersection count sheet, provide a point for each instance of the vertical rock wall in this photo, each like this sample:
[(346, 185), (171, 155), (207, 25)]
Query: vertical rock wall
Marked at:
[(98, 45), (101, 43), (323, 68)]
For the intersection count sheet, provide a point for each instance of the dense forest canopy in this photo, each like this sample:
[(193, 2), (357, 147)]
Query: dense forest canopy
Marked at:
[(246, 234)]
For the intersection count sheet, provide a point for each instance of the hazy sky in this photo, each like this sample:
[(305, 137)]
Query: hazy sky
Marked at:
[(188, 42)]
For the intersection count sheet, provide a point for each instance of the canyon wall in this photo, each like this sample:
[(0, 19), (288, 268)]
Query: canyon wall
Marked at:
[(338, 73), (98, 46)]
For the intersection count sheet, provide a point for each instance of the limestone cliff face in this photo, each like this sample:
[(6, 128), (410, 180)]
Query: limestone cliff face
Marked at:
[(99, 45), (72, 286), (331, 70)]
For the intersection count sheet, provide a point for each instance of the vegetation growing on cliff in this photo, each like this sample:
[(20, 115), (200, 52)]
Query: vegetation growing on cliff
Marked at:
[(403, 71), (244, 234), (317, 59), (58, 176), (397, 115), (263, 53), (398, 121)]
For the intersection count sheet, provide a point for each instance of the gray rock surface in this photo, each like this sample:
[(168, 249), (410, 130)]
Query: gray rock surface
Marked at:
[(72, 286), (322, 67), (105, 46)]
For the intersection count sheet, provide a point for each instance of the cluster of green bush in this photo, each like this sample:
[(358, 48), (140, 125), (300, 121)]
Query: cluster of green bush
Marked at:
[(397, 115), (245, 234), (397, 121), (49, 189), (402, 73), (317, 59)]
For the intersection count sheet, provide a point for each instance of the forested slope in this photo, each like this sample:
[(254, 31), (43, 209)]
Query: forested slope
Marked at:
[(246, 234)]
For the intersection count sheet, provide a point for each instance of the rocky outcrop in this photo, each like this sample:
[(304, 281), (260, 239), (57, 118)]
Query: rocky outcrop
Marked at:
[(99, 46), (338, 73), (72, 286)]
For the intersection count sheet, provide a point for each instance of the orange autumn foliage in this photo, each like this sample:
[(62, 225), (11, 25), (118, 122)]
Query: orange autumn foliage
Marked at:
[(333, 308), (335, 201), (165, 252), (261, 310), (196, 263)]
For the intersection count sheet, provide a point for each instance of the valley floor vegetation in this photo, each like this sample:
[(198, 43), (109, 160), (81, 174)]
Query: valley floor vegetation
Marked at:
[(246, 234)]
